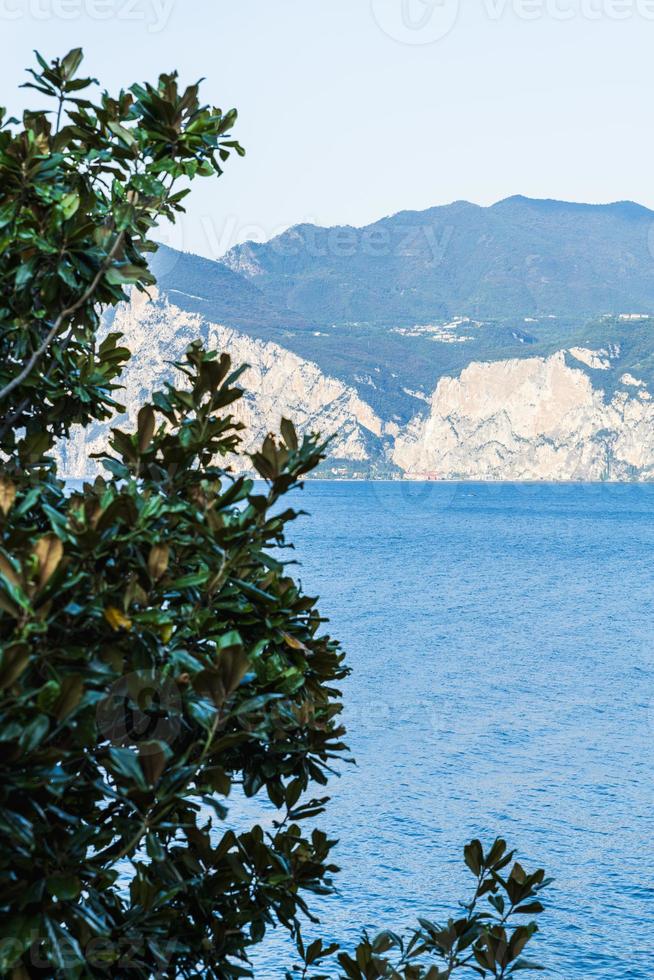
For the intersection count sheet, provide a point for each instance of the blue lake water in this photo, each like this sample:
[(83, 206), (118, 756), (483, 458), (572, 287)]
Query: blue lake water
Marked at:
[(501, 644)]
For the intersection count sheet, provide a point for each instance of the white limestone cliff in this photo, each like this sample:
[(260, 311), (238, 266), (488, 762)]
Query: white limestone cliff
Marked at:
[(529, 419), (278, 383)]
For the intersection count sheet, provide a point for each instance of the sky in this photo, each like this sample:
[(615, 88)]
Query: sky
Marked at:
[(354, 109)]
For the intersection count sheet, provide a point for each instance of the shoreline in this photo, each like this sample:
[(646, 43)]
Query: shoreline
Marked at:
[(460, 482)]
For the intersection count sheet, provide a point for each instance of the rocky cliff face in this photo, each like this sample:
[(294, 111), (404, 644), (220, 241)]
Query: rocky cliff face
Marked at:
[(525, 418), (532, 419), (278, 382)]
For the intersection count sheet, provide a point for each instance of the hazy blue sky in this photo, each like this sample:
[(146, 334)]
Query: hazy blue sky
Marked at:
[(352, 109)]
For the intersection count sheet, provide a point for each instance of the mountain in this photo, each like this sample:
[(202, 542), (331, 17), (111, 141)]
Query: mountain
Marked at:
[(509, 342), (214, 290), (519, 257)]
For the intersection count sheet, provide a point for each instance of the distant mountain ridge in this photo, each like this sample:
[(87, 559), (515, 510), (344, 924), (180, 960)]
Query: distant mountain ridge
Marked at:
[(519, 257)]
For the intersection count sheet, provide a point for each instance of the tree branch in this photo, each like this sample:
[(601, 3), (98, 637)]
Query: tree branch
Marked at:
[(86, 295)]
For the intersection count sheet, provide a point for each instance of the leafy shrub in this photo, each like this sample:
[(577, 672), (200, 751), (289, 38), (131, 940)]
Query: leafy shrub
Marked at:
[(155, 653)]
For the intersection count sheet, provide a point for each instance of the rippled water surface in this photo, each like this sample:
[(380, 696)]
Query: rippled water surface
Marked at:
[(501, 645)]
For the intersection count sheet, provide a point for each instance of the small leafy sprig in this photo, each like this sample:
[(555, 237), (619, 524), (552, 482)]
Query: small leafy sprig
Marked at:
[(488, 939)]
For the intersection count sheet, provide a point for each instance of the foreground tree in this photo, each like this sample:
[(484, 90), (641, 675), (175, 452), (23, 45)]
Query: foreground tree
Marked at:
[(155, 654)]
